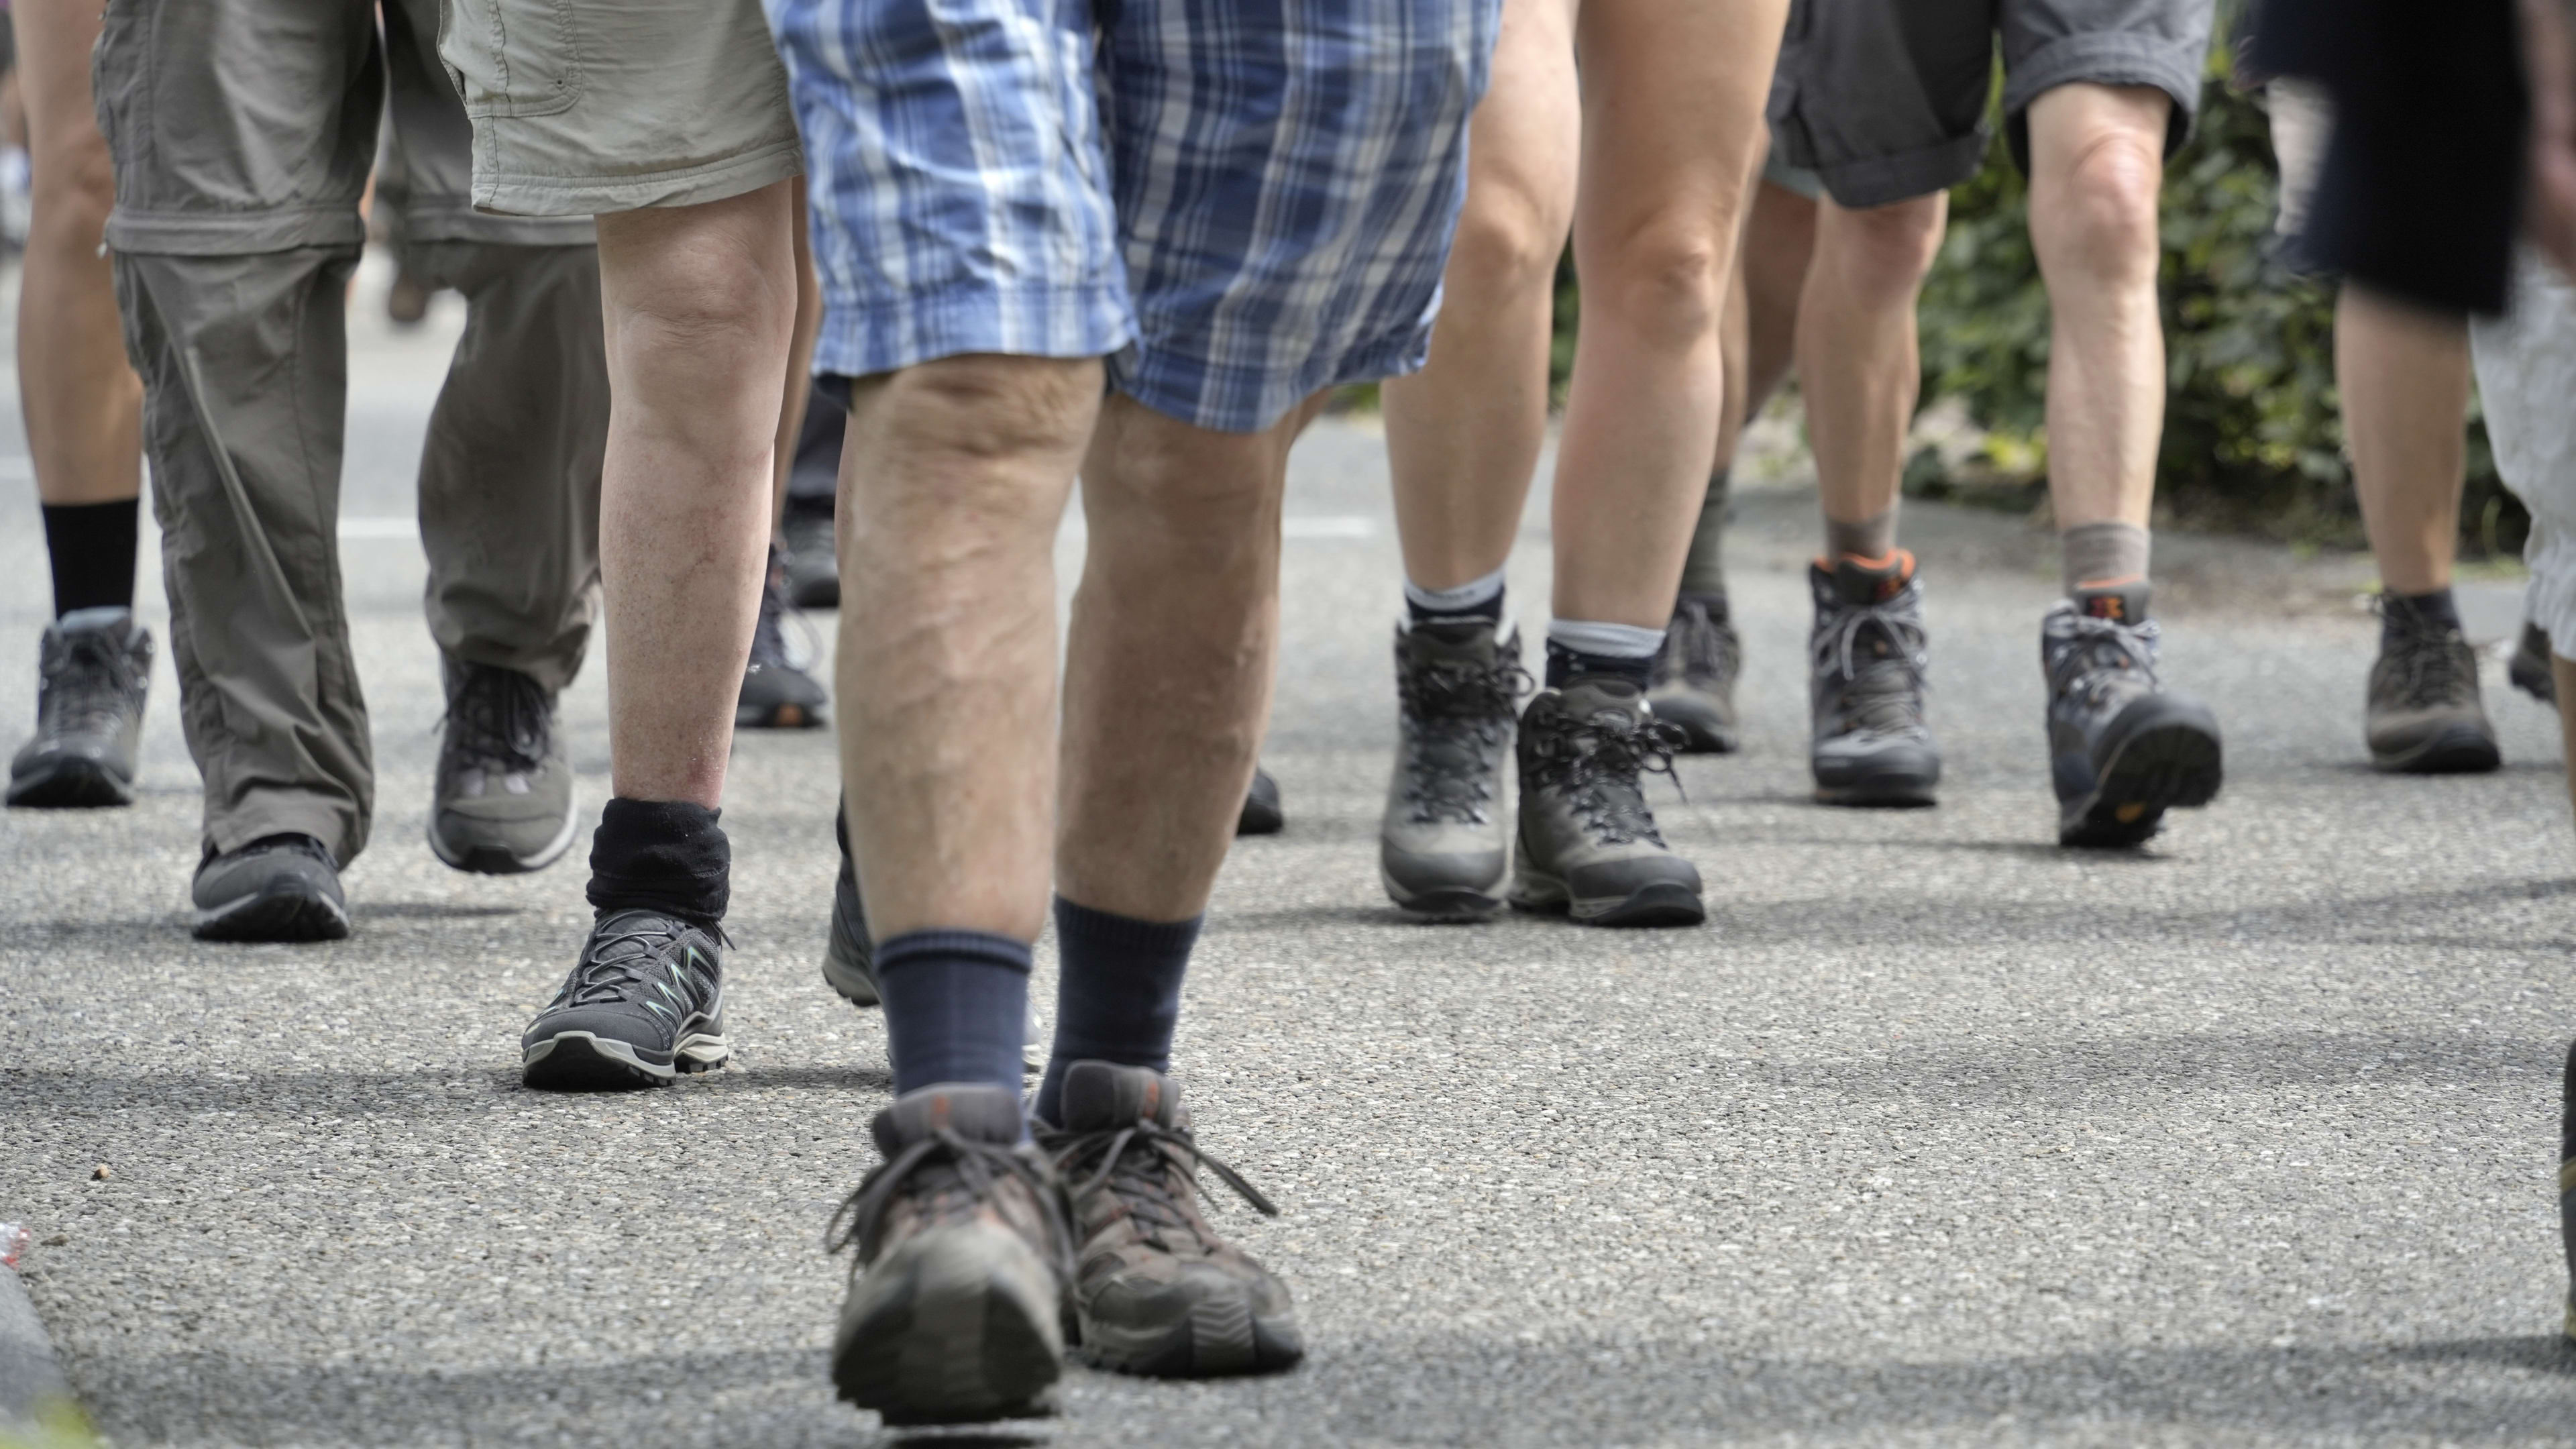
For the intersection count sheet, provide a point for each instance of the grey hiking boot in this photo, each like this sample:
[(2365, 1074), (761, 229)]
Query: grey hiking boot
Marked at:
[(1588, 844), (2424, 715), (92, 671), (1443, 847), (644, 1004), (1694, 679), (849, 956), (502, 801), (276, 888), (1158, 1291), (2530, 669), (957, 1302), (776, 695), (2122, 748), (1866, 658)]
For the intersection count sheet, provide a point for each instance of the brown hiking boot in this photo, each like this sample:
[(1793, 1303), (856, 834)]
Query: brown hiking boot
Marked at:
[(1158, 1291), (958, 1316)]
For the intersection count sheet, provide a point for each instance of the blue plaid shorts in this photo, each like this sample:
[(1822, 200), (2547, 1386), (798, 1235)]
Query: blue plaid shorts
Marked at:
[(1237, 202)]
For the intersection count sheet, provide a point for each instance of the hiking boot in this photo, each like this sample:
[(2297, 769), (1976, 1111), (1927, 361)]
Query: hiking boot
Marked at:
[(849, 957), (957, 1302), (2423, 715), (1261, 814), (1442, 846), (812, 559), (1158, 1292), (2122, 749), (2530, 670), (2567, 1181), (1588, 844), (276, 888), (1866, 658), (91, 675), (643, 1004), (1694, 678), (776, 695), (502, 801)]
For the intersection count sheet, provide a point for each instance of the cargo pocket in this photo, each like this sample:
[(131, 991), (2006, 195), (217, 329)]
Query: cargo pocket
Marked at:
[(512, 57)]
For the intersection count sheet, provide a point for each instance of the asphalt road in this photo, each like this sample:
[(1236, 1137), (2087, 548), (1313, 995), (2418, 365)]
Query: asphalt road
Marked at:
[(1934, 1134)]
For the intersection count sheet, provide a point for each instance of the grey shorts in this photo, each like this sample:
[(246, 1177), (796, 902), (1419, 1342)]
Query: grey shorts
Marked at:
[(1886, 99), (583, 106)]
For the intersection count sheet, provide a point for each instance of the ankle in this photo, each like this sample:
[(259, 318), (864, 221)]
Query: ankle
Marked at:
[(661, 855)]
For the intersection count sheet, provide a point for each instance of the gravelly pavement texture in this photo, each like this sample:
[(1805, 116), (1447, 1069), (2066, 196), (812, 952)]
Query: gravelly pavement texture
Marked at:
[(1933, 1134)]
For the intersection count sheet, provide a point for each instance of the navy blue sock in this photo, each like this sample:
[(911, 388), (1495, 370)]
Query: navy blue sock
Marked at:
[(1566, 665), (956, 1007), (1118, 992)]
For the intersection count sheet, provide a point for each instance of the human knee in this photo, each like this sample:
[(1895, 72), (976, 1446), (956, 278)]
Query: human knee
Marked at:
[(701, 303), (992, 407), (1665, 278), (1509, 239), (1208, 491), (72, 186), (1883, 252), (2098, 214)]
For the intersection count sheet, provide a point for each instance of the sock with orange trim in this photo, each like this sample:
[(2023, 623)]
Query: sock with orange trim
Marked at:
[(2104, 556)]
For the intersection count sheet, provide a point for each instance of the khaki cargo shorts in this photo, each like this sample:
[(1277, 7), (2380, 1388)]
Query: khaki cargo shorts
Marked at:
[(586, 106)]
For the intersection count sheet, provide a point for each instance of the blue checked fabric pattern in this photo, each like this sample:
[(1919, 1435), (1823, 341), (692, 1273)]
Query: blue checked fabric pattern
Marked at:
[(1238, 202)]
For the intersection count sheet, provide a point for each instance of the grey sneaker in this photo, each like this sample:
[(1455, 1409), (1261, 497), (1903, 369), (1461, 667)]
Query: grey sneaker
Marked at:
[(1443, 844), (502, 801), (957, 1302), (1158, 1292), (776, 695), (849, 957), (276, 888), (2424, 715), (1588, 844), (1866, 660), (92, 670), (2122, 748), (644, 1004), (1694, 680), (2530, 670), (812, 558)]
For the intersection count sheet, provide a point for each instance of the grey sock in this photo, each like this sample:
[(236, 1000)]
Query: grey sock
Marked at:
[(2104, 553), (1873, 537), (1704, 569)]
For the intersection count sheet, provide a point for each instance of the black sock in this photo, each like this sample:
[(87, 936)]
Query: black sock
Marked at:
[(1118, 992), (2437, 608), (956, 1007), (661, 855), (1564, 665), (92, 547)]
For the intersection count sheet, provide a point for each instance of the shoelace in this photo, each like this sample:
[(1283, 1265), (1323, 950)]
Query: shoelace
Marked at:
[(2429, 664), (1699, 648), (2094, 654), (949, 1187), (1602, 769), (89, 686), (1132, 1162), (620, 959), (1451, 698), (1883, 692), (503, 721)]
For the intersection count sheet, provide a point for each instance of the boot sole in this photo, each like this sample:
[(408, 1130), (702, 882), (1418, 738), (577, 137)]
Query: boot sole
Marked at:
[(2173, 764), (951, 1345), (278, 913), (1221, 1337), (70, 785), (1888, 794), (499, 859), (1442, 903), (581, 1061), (1663, 903), (2459, 750)]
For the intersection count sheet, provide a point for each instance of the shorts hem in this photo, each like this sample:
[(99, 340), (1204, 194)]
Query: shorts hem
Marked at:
[(2112, 60), (1900, 176), (454, 219), (869, 336), (1250, 400), (530, 195), (181, 234)]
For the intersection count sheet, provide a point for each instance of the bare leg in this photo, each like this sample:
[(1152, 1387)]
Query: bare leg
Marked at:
[(1168, 668), (953, 482), (1463, 435), (82, 400), (1858, 362), (800, 359), (2097, 164), (701, 305), (1668, 138), (2404, 374), (1762, 308)]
